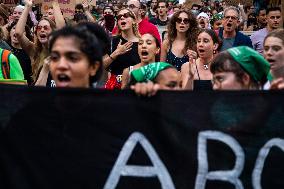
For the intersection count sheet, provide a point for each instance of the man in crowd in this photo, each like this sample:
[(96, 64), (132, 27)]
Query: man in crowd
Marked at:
[(152, 9), (229, 34), (161, 20), (261, 18), (274, 19)]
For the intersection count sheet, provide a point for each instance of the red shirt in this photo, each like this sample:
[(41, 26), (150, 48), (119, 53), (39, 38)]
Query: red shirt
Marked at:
[(144, 27)]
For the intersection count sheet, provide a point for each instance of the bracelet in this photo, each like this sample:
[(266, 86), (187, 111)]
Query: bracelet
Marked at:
[(111, 58)]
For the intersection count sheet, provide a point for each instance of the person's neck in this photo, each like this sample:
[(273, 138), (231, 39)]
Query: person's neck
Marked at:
[(181, 36), (230, 34), (138, 19), (207, 60), (163, 17), (269, 29), (144, 63), (129, 35), (16, 45)]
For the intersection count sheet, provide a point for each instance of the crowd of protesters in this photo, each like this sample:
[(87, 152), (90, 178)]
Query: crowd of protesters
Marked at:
[(144, 46)]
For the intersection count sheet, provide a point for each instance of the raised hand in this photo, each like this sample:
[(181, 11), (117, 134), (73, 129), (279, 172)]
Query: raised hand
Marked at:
[(28, 3), (192, 56)]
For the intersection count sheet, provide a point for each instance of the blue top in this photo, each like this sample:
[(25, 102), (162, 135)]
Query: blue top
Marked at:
[(174, 60)]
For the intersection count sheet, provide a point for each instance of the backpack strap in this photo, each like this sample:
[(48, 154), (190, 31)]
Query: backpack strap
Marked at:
[(5, 64)]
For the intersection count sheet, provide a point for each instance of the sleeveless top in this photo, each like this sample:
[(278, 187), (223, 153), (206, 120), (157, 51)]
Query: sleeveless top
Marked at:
[(174, 60), (201, 85)]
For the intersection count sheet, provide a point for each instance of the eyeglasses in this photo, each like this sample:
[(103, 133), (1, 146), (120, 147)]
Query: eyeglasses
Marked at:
[(125, 15), (132, 6), (38, 28), (180, 20), (232, 17)]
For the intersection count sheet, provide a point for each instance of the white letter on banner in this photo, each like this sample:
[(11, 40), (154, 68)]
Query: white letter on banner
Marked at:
[(263, 153), (231, 176), (121, 169)]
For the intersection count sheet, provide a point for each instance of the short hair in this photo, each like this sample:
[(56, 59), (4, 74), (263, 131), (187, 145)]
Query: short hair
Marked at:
[(195, 5), (270, 9), (163, 1), (260, 9), (232, 8)]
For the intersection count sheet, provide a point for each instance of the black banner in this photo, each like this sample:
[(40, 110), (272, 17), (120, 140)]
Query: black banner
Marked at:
[(74, 138)]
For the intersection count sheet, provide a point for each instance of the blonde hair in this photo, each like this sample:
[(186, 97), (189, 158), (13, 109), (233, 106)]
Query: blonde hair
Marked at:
[(134, 24), (41, 52)]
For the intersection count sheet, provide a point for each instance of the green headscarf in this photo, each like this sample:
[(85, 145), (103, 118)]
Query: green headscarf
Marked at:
[(252, 62), (149, 72)]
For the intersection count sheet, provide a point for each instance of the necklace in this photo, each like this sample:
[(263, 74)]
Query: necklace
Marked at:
[(205, 66)]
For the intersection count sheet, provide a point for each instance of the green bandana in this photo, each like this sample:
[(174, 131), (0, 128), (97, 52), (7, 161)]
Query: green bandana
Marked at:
[(149, 72), (251, 61)]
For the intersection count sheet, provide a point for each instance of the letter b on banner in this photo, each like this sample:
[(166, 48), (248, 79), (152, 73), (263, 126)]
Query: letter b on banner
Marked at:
[(122, 169)]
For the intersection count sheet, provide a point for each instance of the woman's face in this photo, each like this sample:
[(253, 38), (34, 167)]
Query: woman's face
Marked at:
[(14, 39), (147, 48), (217, 24), (274, 53), (169, 79), (205, 45), (226, 81), (182, 23), (124, 20), (43, 30), (69, 66)]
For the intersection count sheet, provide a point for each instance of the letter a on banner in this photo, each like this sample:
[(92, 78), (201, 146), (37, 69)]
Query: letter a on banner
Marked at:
[(122, 169), (231, 176), (259, 164)]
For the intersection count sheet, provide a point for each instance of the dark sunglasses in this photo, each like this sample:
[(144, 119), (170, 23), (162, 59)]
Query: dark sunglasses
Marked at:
[(38, 28), (125, 15), (180, 20)]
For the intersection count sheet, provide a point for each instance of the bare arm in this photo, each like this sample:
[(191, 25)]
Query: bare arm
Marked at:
[(43, 75), (87, 11), (125, 78), (164, 51), (186, 77), (25, 43), (59, 19)]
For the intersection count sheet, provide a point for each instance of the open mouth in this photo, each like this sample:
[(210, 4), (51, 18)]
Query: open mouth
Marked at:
[(42, 35), (63, 80), (229, 25), (144, 53), (201, 50), (123, 23)]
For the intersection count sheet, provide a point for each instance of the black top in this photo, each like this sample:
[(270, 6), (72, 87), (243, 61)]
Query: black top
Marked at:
[(157, 21), (123, 61), (25, 63), (202, 85)]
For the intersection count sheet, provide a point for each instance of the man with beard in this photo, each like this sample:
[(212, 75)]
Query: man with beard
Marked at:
[(261, 18), (229, 34), (274, 19), (161, 20)]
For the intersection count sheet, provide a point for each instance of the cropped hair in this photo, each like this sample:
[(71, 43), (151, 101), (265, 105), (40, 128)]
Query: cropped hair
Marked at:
[(232, 8), (270, 9)]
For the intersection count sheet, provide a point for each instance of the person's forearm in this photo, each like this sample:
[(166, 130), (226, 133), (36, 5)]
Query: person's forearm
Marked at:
[(59, 19)]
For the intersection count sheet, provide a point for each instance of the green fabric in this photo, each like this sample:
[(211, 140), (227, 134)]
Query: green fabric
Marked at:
[(149, 72), (251, 61), (16, 71)]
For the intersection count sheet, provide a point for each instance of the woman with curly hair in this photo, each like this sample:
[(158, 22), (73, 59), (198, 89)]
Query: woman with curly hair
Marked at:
[(124, 48), (182, 35)]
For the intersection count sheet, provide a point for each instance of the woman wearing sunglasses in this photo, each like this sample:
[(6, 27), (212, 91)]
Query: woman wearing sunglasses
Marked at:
[(124, 49), (182, 35), (38, 50)]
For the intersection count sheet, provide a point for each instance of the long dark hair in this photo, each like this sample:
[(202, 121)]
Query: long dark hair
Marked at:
[(191, 34)]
